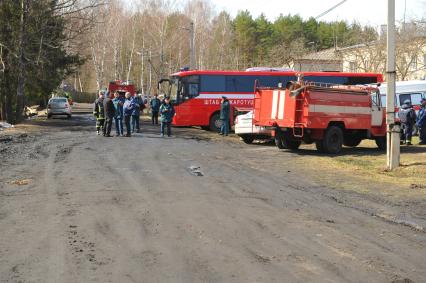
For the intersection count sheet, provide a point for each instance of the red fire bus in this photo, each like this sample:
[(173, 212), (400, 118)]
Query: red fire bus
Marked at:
[(196, 95)]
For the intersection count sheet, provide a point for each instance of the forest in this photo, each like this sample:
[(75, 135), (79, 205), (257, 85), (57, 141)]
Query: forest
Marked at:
[(83, 44)]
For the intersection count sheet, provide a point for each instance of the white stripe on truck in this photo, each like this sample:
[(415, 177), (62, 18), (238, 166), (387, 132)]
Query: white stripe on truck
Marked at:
[(275, 94), (317, 108), (281, 105)]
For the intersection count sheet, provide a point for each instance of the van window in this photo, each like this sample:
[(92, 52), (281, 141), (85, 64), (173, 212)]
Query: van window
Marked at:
[(416, 98), (403, 97)]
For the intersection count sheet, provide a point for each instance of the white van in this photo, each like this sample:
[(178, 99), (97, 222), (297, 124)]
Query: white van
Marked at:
[(413, 91), (406, 90)]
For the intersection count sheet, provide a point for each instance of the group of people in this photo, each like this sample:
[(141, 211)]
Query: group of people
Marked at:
[(110, 107), (409, 119)]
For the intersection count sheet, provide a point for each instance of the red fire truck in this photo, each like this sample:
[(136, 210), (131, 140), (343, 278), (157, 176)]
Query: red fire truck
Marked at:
[(328, 115), (121, 87), (197, 94)]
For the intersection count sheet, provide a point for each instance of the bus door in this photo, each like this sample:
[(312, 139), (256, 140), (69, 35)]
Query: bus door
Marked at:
[(186, 104)]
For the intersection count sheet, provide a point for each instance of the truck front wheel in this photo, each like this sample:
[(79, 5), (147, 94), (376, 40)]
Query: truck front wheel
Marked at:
[(333, 140)]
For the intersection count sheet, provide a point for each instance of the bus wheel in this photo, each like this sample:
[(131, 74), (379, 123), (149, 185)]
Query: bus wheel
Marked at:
[(381, 142), (215, 122), (333, 140)]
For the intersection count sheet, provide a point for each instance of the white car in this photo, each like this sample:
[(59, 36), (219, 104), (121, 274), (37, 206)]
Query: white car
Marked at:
[(247, 131), (58, 106)]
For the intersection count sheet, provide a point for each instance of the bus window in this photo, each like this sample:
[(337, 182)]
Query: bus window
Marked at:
[(360, 80), (330, 80), (240, 83), (273, 81), (190, 87), (212, 83), (342, 80)]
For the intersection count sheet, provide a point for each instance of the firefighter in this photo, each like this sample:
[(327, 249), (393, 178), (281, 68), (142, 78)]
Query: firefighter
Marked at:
[(109, 111), (155, 107), (225, 109), (421, 122), (407, 116), (127, 112), (99, 113), (167, 112)]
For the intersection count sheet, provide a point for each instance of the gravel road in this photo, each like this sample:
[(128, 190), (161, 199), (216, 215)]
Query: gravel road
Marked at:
[(76, 207)]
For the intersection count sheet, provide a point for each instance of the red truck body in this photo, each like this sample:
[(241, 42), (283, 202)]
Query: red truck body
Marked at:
[(121, 87), (329, 115)]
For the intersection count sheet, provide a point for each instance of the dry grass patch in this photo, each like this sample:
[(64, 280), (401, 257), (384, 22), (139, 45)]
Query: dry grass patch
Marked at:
[(363, 169)]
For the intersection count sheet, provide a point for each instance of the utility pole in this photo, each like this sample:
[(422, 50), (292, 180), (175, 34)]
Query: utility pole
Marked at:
[(393, 130), (192, 65)]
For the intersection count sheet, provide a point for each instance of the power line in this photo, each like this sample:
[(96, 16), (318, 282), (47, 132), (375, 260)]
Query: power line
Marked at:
[(329, 10)]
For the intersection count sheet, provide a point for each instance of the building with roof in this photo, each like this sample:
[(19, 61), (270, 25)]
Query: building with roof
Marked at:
[(325, 60)]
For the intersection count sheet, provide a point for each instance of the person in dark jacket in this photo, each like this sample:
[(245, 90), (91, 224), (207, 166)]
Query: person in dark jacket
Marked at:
[(167, 112), (99, 113), (155, 104), (421, 122), (109, 115), (225, 109), (118, 117), (138, 103), (407, 116), (127, 112)]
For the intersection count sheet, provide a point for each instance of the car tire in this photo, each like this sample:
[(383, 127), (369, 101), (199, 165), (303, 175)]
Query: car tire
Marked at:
[(215, 122), (333, 140), (248, 139), (381, 142)]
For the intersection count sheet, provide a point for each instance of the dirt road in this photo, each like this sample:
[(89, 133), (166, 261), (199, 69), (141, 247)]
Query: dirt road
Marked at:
[(75, 207)]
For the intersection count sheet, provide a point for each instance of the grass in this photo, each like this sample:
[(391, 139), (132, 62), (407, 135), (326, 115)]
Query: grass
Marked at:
[(363, 169)]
